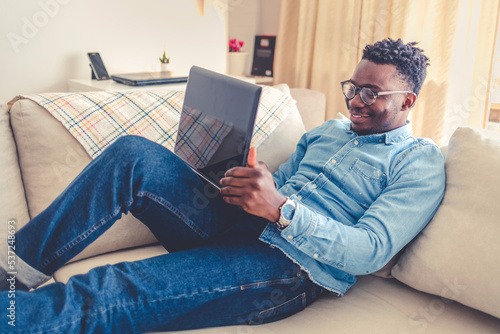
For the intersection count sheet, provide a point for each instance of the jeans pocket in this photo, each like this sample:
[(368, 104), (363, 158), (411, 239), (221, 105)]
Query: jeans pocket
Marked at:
[(281, 311)]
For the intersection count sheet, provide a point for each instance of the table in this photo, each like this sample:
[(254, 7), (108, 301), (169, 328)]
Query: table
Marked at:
[(89, 85)]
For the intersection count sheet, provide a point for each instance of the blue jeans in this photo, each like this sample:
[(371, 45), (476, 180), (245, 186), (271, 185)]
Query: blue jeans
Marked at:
[(217, 272)]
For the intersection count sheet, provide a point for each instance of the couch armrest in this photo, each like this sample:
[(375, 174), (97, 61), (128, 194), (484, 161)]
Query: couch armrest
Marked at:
[(13, 200)]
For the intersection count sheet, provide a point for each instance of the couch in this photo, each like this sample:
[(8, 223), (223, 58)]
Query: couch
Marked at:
[(445, 281)]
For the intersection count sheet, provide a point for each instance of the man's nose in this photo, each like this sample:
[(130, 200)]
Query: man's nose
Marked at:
[(356, 102)]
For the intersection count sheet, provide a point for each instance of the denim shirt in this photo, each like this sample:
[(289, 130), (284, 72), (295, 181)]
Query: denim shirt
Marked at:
[(360, 199)]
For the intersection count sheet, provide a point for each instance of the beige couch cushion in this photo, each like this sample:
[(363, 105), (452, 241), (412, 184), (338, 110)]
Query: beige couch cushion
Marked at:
[(50, 158), (457, 255), (13, 201)]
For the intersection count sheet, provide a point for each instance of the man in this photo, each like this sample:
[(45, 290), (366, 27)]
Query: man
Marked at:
[(350, 197)]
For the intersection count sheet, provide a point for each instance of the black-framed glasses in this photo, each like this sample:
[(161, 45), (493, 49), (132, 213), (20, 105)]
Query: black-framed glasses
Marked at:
[(367, 95)]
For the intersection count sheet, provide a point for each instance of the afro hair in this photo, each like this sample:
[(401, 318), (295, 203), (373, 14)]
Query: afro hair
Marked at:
[(409, 60)]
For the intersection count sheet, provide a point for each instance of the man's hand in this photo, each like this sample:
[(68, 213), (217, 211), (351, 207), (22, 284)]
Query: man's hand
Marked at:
[(253, 189)]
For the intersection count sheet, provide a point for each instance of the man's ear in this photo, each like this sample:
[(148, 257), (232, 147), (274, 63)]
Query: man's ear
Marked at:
[(409, 101)]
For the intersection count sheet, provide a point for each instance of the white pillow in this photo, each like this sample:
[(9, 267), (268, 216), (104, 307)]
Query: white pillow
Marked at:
[(457, 256)]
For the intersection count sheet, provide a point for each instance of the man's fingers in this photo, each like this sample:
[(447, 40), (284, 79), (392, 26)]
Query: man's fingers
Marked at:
[(243, 172), (234, 201), (232, 191), (232, 181)]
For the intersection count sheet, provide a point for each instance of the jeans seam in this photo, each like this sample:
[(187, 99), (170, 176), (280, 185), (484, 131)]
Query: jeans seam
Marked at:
[(301, 298), (270, 282), (169, 206), (78, 239)]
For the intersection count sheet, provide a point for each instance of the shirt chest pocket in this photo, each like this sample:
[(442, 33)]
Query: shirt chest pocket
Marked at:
[(363, 183)]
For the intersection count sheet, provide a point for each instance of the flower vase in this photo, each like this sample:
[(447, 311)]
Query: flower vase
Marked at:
[(236, 63), (165, 67)]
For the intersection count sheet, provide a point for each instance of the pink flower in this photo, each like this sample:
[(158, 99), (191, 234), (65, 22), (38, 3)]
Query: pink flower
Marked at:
[(235, 45)]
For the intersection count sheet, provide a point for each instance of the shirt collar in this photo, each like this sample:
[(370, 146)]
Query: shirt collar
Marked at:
[(400, 134), (394, 136)]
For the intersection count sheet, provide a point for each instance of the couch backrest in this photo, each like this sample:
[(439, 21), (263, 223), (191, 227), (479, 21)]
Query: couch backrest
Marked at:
[(311, 105)]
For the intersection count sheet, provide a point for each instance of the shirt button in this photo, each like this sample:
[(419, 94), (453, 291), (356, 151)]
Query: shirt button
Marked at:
[(334, 162), (314, 186), (300, 198), (290, 237), (315, 256), (356, 142)]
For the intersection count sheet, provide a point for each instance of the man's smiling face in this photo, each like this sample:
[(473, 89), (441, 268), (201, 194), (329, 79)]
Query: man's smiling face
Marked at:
[(389, 111)]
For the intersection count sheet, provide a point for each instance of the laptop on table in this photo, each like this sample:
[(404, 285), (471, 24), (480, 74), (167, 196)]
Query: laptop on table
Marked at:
[(216, 124), (148, 78)]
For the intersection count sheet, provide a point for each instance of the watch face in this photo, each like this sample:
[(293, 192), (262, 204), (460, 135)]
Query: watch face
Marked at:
[(287, 211)]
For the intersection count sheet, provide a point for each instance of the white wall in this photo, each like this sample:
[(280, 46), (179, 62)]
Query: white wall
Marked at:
[(247, 18), (45, 42), (269, 17)]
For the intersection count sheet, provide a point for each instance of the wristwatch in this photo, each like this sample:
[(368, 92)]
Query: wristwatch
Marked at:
[(286, 214)]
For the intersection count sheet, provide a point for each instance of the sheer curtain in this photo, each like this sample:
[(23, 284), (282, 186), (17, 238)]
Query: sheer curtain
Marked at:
[(320, 43)]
